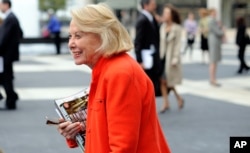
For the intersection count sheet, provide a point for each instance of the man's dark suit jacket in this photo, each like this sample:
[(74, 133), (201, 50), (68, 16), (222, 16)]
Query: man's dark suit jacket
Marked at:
[(147, 33), (10, 35)]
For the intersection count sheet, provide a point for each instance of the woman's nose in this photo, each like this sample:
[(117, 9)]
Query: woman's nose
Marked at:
[(71, 43)]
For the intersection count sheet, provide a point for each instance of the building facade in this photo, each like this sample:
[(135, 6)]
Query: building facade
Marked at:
[(229, 10)]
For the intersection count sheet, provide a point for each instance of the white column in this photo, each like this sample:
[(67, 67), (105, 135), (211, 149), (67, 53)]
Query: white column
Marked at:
[(76, 3), (28, 14), (89, 1), (81, 2), (226, 13), (217, 5)]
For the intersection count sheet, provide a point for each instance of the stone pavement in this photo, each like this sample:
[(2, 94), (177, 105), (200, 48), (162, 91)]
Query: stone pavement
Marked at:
[(210, 115)]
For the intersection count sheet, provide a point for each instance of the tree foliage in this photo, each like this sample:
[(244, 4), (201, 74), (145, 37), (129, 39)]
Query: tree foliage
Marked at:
[(44, 5)]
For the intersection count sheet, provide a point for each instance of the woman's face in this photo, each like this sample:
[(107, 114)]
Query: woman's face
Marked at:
[(191, 16), (213, 13), (167, 17), (83, 46)]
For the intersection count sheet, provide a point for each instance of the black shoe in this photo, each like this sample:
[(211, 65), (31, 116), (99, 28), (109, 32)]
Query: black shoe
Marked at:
[(240, 71), (16, 97), (247, 69), (11, 103), (11, 107)]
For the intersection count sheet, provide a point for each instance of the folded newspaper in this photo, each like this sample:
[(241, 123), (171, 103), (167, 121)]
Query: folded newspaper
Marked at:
[(74, 108)]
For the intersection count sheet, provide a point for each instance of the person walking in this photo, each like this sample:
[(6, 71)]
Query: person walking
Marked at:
[(119, 88), (215, 38), (203, 26), (54, 27), (190, 26), (242, 39), (147, 42), (10, 35), (170, 44)]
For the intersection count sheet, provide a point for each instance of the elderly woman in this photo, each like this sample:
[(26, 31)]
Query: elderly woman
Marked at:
[(203, 25), (122, 114)]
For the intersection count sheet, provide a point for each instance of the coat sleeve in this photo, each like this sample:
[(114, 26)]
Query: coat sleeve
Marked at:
[(21, 32), (139, 38), (123, 107), (240, 35), (215, 29), (5, 34), (177, 46), (71, 143)]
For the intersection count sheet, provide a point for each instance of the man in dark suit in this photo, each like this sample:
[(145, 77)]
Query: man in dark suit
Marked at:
[(147, 42), (10, 35)]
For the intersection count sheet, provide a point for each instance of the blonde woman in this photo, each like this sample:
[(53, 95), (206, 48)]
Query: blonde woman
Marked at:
[(203, 26), (170, 44), (121, 108)]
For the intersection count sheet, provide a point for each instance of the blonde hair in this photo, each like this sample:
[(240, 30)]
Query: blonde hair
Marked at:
[(203, 12), (212, 10), (100, 19)]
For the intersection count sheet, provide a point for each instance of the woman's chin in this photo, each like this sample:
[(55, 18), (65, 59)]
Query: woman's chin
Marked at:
[(78, 62)]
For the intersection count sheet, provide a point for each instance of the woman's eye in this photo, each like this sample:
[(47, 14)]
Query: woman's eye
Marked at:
[(78, 36)]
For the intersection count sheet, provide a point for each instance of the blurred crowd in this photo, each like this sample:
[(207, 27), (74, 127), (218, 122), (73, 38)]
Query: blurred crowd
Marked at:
[(157, 42), (164, 32)]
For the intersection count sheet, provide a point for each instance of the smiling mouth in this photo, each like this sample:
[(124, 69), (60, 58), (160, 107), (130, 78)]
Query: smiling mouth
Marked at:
[(77, 54)]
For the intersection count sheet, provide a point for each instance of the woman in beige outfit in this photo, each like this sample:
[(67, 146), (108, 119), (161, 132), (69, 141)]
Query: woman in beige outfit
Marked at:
[(170, 45)]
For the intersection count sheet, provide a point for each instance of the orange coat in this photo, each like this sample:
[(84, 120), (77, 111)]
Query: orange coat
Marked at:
[(122, 115)]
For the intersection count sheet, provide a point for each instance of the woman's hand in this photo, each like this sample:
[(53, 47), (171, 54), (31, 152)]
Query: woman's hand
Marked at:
[(174, 62), (142, 65), (69, 129)]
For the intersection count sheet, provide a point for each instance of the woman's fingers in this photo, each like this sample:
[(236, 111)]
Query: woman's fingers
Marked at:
[(83, 125), (73, 129), (69, 130), (62, 126)]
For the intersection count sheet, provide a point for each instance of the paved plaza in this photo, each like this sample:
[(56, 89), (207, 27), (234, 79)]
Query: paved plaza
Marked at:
[(210, 115)]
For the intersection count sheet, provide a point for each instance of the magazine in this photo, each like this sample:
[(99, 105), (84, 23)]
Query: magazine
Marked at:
[(74, 108)]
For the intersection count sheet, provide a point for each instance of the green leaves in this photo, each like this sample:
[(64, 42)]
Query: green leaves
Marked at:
[(44, 5)]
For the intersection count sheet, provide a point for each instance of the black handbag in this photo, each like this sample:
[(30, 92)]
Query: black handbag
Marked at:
[(162, 65), (247, 39)]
